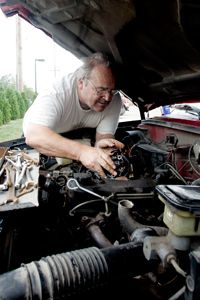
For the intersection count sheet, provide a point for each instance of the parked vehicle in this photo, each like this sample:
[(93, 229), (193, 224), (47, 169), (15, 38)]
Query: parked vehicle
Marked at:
[(70, 234)]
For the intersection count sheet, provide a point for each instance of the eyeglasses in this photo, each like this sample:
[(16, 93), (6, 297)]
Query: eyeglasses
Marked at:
[(102, 91)]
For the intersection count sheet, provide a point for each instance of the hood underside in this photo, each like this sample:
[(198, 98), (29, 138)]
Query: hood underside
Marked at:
[(155, 43)]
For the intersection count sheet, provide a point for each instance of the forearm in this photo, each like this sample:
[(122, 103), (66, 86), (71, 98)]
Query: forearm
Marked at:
[(50, 143)]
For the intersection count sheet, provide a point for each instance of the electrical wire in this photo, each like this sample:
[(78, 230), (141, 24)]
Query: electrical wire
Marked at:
[(72, 211), (190, 161), (177, 267), (174, 171)]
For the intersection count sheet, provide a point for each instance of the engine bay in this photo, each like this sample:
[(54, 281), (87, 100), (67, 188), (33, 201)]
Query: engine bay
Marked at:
[(137, 232)]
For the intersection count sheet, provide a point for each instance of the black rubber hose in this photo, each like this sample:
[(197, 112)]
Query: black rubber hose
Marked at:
[(126, 259), (62, 275), (56, 276), (98, 236)]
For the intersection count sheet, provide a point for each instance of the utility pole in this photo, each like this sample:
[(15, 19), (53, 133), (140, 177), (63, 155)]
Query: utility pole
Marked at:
[(19, 75)]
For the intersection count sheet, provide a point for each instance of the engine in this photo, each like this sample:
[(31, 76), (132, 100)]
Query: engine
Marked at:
[(139, 229)]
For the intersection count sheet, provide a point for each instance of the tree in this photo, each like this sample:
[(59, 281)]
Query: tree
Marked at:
[(13, 104), (4, 107), (13, 101), (29, 94), (1, 118), (27, 102), (21, 104)]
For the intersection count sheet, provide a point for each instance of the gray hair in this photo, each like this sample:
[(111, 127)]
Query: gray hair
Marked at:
[(90, 62)]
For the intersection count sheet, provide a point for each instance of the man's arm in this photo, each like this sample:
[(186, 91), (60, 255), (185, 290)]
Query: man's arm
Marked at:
[(48, 142)]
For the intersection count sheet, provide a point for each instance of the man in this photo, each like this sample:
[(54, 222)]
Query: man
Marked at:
[(85, 98)]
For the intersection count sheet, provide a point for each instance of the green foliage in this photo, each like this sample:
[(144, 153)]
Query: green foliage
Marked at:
[(26, 99), (13, 104), (21, 104), (5, 107), (1, 118), (29, 94)]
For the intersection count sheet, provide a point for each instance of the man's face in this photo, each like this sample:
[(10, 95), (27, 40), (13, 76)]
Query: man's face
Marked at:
[(96, 92)]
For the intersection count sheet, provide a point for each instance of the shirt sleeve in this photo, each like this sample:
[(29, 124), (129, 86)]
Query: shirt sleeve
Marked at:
[(109, 122), (46, 110)]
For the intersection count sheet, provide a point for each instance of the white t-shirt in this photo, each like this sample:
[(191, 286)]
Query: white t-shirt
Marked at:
[(60, 110)]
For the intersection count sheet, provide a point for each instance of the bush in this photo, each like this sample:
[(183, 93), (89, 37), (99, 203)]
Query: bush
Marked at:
[(1, 118), (13, 101), (13, 104), (5, 107)]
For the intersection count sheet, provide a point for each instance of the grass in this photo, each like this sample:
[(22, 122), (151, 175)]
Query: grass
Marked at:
[(10, 131)]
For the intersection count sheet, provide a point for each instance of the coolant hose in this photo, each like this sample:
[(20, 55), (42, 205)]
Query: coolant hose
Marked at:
[(129, 224), (98, 236), (62, 275)]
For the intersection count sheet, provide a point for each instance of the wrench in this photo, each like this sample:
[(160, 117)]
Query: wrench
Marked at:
[(3, 168), (11, 191), (21, 175), (7, 182), (29, 158), (29, 181)]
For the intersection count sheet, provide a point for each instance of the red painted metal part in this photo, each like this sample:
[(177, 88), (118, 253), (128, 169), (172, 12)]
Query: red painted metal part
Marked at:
[(177, 137), (195, 123), (187, 131), (10, 10)]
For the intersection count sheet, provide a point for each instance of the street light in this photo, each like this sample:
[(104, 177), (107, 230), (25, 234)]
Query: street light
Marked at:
[(36, 60)]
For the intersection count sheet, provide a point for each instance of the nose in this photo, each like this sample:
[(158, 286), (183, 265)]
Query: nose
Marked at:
[(107, 96)]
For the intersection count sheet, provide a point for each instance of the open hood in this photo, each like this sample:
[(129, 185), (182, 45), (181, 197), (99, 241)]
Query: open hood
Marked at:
[(155, 43)]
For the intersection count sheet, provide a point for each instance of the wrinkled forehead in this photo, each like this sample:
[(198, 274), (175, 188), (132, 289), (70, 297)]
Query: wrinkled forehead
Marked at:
[(103, 76)]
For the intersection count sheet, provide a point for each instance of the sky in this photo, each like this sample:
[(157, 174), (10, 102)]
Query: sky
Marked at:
[(35, 45)]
